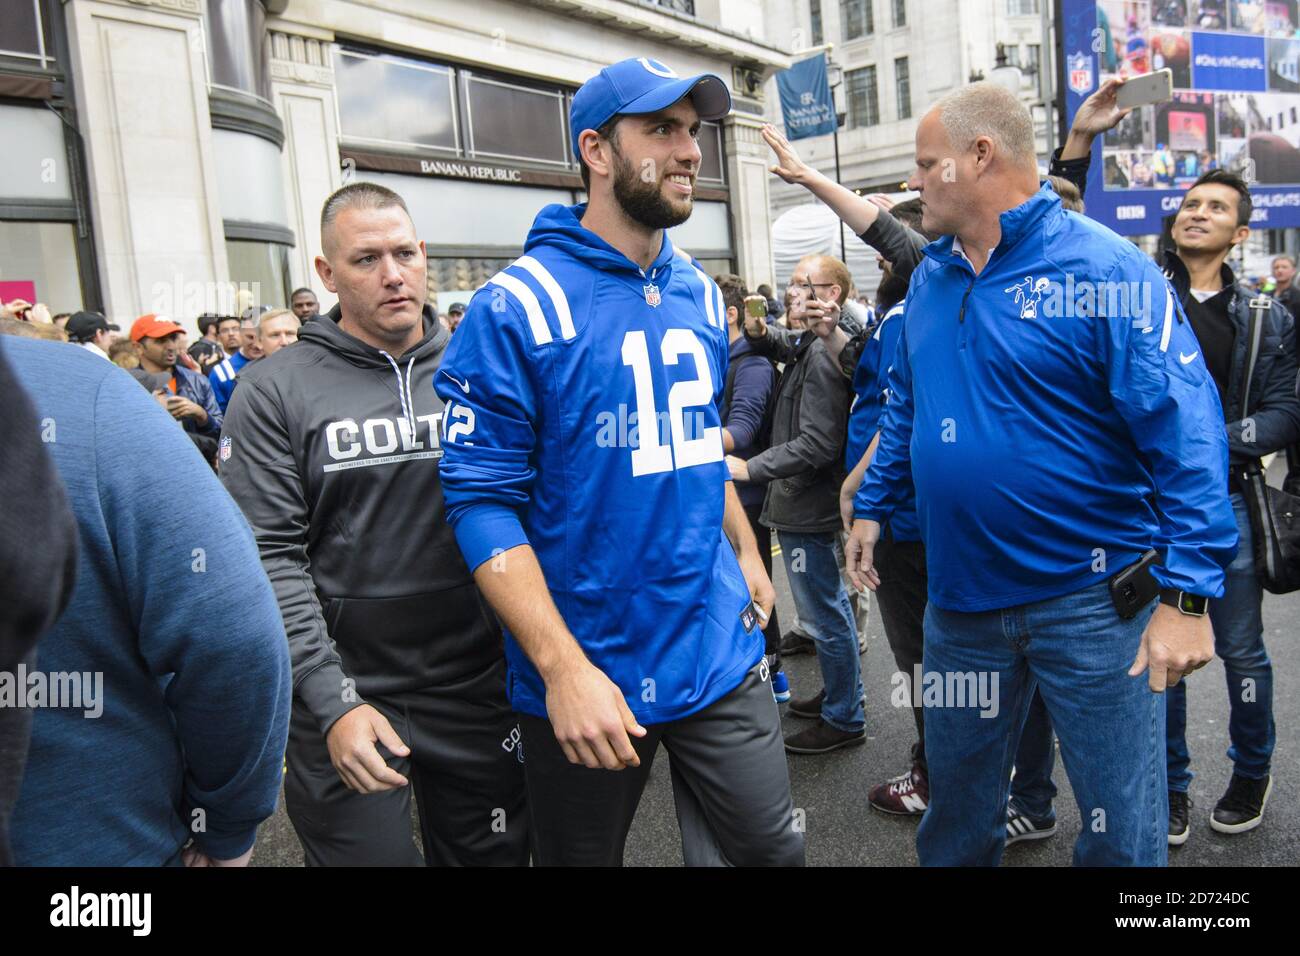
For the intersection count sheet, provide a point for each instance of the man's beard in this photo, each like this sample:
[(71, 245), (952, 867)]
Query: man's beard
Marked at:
[(644, 202)]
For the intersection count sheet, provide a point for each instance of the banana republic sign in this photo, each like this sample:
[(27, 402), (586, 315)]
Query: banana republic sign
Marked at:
[(459, 169)]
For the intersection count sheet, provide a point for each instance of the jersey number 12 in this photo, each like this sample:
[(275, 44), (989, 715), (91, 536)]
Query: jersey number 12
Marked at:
[(653, 457)]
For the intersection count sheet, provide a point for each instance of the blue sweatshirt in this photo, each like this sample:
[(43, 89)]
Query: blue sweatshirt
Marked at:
[(173, 609), (1057, 419), (581, 417), (752, 382), (870, 396)]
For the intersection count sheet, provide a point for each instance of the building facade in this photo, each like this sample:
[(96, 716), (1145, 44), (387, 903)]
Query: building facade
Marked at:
[(173, 155)]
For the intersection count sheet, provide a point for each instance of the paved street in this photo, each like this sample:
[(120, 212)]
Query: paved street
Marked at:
[(843, 831)]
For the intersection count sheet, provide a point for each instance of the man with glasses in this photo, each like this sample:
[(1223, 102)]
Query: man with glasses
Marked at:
[(804, 467)]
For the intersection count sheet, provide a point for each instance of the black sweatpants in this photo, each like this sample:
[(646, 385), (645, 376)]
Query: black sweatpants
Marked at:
[(763, 535), (730, 784), (902, 597), (464, 768)]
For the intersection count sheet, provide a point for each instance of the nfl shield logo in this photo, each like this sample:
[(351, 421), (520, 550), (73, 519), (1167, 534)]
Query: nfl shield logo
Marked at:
[(224, 449), (1080, 69), (651, 294)]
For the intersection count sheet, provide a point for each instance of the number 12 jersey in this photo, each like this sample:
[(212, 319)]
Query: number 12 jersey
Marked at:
[(582, 418)]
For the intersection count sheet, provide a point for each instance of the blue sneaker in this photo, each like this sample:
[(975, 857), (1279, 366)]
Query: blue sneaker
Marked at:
[(780, 687)]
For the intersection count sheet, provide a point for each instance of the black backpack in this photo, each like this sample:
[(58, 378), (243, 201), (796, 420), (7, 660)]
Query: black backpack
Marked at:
[(763, 437)]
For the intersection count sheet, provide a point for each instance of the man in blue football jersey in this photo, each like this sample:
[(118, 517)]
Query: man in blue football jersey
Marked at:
[(584, 476)]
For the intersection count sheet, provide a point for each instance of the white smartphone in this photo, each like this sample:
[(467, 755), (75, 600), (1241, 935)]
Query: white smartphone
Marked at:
[(1144, 90)]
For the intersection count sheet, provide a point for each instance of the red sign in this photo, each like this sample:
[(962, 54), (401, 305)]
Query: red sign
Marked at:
[(18, 289)]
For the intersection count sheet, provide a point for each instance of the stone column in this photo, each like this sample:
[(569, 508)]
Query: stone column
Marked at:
[(142, 102), (302, 85), (747, 160)]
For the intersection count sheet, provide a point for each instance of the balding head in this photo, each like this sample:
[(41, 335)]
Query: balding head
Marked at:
[(974, 160), (988, 110)]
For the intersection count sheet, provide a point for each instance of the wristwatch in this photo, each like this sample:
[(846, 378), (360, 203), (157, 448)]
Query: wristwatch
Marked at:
[(1195, 605)]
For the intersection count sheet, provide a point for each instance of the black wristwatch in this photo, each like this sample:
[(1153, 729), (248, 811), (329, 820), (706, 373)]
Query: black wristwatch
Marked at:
[(1195, 605)]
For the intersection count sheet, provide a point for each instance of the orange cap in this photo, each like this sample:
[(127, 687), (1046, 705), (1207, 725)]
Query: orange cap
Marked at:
[(153, 327)]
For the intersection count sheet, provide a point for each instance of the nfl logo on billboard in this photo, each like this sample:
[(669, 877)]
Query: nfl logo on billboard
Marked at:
[(1080, 70)]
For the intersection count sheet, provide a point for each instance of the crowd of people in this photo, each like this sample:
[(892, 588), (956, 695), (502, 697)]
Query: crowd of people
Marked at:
[(432, 572)]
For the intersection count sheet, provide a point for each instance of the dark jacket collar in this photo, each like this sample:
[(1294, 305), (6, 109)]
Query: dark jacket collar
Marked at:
[(1178, 276)]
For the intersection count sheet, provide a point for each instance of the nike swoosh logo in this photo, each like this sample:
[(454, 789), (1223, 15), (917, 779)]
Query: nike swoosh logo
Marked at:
[(1149, 328), (1187, 358), (464, 386)]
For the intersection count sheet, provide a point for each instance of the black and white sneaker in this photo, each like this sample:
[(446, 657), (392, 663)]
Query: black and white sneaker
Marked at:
[(1021, 827), (1180, 815), (1242, 805)]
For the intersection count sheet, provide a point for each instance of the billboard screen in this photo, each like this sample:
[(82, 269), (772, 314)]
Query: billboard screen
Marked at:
[(1236, 105)]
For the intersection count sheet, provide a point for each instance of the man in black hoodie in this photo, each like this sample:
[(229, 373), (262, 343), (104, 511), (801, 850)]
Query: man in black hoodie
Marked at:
[(331, 448)]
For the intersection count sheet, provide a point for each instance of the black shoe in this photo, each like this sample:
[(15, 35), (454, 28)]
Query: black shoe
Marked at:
[(1242, 805), (822, 738), (807, 707), (1180, 827), (793, 644)]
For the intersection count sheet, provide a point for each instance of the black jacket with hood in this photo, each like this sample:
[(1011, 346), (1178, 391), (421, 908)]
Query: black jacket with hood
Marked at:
[(1268, 419), (331, 448)]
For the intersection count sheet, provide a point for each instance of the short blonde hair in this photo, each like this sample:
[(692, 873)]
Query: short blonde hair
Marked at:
[(274, 314), (986, 109)]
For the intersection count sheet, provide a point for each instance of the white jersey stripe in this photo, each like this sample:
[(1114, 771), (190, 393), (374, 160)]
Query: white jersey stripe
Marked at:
[(532, 308), (559, 301), (1169, 321), (722, 305), (708, 296)]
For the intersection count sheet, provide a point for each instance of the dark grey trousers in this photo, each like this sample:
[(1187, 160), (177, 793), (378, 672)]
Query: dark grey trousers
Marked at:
[(464, 769), (730, 784)]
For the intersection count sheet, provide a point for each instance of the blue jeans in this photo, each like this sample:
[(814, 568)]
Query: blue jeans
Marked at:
[(1032, 790), (813, 569), (1239, 641), (1077, 651)]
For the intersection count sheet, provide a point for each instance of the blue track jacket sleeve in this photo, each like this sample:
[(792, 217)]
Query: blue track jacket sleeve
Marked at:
[(889, 477), (489, 434), (1160, 386)]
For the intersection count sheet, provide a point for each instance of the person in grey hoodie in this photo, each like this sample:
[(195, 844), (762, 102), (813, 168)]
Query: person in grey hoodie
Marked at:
[(332, 450)]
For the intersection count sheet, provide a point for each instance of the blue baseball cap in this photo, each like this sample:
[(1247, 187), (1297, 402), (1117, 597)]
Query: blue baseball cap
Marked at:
[(643, 85)]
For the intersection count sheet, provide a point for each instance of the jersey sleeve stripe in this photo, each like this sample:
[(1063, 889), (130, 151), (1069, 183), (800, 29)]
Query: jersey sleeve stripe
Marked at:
[(559, 301), (1169, 321), (532, 308), (708, 296)]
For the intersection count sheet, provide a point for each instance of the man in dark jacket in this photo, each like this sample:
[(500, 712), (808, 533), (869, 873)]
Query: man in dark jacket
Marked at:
[(1286, 291), (186, 395), (804, 468), (1213, 218), (746, 431), (332, 449)]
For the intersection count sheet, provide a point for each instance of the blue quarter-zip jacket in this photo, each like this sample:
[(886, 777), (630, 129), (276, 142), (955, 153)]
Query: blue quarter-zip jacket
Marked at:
[(1056, 417)]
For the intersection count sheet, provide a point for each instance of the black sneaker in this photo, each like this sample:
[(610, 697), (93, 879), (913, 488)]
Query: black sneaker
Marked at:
[(793, 644), (809, 708), (1242, 805), (822, 738), (1180, 827), (1023, 827)]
